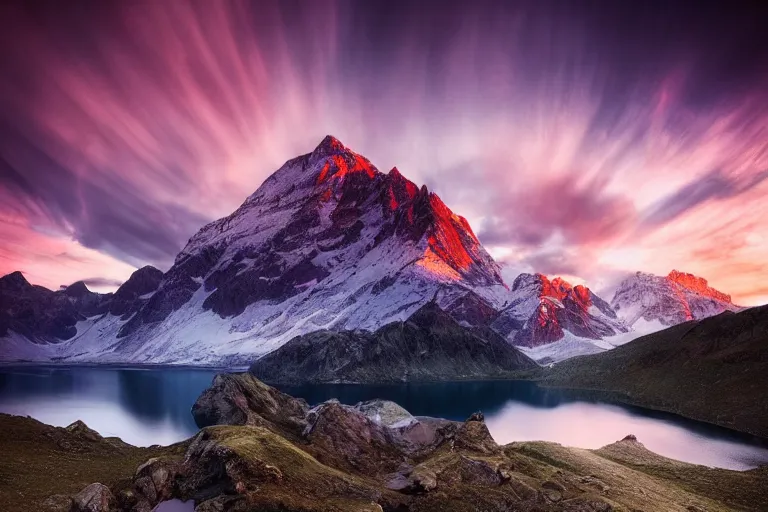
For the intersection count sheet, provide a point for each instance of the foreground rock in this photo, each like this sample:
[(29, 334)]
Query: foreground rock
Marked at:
[(241, 399), (42, 468), (94, 498), (375, 456), (429, 346)]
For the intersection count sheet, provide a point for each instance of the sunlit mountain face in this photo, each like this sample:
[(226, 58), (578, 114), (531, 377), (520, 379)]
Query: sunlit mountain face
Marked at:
[(579, 139)]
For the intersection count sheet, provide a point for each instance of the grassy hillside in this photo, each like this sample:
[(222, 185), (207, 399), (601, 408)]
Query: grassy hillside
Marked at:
[(713, 370), (43, 465)]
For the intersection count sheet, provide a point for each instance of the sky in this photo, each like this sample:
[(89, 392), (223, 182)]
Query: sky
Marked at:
[(583, 139)]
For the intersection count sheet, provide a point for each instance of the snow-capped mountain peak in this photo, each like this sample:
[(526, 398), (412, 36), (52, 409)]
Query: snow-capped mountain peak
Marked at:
[(544, 311), (649, 302), (697, 285), (327, 241)]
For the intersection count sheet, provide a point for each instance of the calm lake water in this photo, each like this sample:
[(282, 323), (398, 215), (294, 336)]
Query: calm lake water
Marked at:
[(152, 406)]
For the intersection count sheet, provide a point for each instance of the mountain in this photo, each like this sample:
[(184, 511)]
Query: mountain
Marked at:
[(40, 314), (326, 243), (649, 302), (722, 361), (429, 346), (552, 320), (42, 324)]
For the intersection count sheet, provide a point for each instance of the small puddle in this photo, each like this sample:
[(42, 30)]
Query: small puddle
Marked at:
[(175, 506)]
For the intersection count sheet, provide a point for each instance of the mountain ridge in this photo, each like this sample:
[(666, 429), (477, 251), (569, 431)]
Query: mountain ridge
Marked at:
[(429, 346), (668, 300), (327, 242)]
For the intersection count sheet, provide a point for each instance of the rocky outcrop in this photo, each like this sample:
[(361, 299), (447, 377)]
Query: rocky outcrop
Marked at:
[(385, 412), (429, 346), (241, 399), (354, 458), (94, 498)]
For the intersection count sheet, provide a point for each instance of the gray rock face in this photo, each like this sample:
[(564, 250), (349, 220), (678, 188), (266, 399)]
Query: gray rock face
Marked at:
[(94, 498), (241, 399), (429, 346), (45, 316), (385, 412)]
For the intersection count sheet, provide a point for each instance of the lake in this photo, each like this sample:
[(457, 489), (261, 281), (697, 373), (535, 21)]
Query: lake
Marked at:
[(152, 406)]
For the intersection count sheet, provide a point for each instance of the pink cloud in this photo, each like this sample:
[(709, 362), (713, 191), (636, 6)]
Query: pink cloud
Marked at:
[(126, 127)]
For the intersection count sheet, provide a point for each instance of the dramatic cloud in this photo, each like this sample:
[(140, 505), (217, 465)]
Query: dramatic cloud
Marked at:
[(578, 138), (583, 214), (711, 186)]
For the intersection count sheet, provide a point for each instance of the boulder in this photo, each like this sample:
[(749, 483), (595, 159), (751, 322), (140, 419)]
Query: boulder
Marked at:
[(386, 413), (154, 480), (348, 438), (94, 498), (241, 399), (473, 435)]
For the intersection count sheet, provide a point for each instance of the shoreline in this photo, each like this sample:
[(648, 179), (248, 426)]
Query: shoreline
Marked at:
[(621, 399), (615, 398), (276, 449)]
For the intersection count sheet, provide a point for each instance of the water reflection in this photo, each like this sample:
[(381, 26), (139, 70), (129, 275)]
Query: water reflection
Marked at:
[(143, 407), (146, 407)]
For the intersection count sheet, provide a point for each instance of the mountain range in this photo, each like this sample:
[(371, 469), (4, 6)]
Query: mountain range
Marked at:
[(328, 243)]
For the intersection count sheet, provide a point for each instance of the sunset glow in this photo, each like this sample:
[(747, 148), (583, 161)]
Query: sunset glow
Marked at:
[(576, 142)]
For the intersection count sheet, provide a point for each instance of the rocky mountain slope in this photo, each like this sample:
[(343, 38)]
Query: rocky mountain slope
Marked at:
[(429, 346), (37, 321), (328, 242), (713, 370), (649, 302), (551, 319), (260, 449)]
